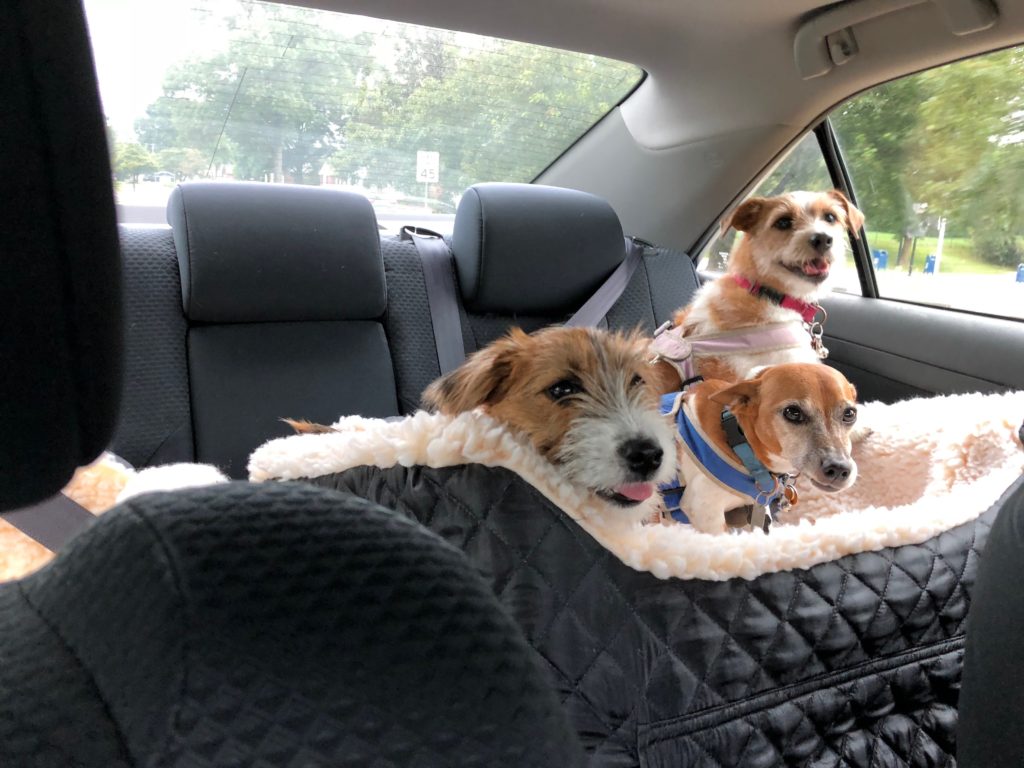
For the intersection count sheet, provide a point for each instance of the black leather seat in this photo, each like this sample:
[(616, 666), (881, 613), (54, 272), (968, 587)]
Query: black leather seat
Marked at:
[(283, 290), (250, 625), (992, 693), (527, 255)]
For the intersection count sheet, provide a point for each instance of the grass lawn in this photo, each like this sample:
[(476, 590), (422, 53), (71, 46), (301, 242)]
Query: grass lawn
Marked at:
[(957, 254)]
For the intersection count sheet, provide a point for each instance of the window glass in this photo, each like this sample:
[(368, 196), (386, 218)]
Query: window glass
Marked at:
[(408, 116), (937, 162), (803, 168)]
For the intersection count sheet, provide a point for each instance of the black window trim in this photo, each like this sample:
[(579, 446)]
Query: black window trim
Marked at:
[(840, 175)]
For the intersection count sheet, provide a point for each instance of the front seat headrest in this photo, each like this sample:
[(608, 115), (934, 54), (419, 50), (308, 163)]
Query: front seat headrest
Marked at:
[(275, 624), (60, 293)]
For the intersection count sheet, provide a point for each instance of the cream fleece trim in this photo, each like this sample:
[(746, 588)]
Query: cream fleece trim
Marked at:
[(929, 465)]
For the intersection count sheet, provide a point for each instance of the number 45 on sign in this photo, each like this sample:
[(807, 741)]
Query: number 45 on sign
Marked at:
[(428, 166)]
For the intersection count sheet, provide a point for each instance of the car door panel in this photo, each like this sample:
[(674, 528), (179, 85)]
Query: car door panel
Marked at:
[(892, 349)]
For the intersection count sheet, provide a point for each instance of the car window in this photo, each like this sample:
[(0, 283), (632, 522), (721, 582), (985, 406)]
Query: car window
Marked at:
[(802, 168), (409, 116), (937, 163)]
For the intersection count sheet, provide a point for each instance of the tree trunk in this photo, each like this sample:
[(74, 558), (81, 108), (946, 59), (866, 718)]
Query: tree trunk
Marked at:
[(905, 243)]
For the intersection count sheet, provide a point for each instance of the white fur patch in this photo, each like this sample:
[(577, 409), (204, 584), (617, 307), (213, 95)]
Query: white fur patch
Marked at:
[(171, 477), (929, 465)]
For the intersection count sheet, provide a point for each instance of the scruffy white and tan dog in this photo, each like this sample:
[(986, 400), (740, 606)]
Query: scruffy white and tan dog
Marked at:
[(580, 396), (759, 312)]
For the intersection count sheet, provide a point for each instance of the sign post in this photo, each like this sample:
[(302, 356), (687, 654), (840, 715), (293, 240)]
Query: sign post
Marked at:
[(938, 247), (428, 170)]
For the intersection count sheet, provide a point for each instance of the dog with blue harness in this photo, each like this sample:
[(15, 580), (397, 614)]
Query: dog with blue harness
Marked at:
[(742, 446)]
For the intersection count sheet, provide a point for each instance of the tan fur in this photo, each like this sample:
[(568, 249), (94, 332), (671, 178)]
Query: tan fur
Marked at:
[(783, 447), (772, 257), (303, 427)]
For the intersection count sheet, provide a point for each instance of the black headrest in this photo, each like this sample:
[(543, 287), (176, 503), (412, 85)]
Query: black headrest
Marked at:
[(60, 289), (339, 633), (276, 252), (529, 249)]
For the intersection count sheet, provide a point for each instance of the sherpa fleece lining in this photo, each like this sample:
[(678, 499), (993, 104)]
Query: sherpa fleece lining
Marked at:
[(929, 465)]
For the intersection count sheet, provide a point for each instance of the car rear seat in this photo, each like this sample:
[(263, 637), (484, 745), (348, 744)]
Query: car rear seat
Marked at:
[(236, 318), (530, 256), (283, 295), (155, 422)]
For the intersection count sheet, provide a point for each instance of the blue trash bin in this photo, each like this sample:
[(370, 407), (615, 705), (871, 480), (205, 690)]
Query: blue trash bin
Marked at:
[(880, 258), (1020, 273), (929, 264)]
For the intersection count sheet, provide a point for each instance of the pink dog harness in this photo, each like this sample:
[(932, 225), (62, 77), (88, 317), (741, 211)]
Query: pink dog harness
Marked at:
[(670, 345)]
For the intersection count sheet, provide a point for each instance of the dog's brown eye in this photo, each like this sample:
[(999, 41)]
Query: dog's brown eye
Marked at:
[(794, 414), (563, 389), (830, 217), (636, 381), (849, 416), (786, 222)]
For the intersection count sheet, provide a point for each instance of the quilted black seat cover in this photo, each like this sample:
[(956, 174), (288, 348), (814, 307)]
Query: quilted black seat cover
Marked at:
[(279, 626), (850, 663)]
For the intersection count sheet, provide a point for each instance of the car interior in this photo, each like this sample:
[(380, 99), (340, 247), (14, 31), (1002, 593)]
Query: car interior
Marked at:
[(279, 624)]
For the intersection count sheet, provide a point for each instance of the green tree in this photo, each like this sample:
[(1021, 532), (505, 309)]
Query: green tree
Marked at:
[(131, 160), (803, 168), (497, 111), (273, 104), (939, 139), (184, 163), (996, 208), (292, 89), (875, 132)]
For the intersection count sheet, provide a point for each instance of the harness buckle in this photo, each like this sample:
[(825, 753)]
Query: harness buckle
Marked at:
[(761, 517)]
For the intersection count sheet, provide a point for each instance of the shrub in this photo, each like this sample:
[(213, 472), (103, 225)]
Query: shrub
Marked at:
[(1002, 248)]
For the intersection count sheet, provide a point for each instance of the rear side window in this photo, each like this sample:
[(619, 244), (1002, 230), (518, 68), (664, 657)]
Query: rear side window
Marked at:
[(407, 115), (937, 163)]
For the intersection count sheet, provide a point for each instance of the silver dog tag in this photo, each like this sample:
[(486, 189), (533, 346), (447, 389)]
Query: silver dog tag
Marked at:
[(817, 331)]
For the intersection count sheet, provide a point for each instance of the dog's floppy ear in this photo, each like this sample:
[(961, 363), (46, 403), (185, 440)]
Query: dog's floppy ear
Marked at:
[(481, 380), (736, 395), (746, 215), (741, 393), (854, 218)]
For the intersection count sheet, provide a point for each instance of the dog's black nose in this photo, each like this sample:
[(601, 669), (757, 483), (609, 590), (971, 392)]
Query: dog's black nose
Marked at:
[(836, 470), (821, 242), (642, 456)]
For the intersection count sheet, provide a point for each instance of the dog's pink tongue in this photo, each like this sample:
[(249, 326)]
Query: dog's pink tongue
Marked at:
[(816, 267), (635, 491)]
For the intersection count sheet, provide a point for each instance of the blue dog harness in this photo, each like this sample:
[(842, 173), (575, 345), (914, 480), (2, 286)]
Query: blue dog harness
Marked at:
[(755, 481)]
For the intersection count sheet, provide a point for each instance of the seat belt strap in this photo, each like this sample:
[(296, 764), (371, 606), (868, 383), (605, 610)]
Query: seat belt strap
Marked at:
[(52, 522), (442, 299), (604, 298)]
